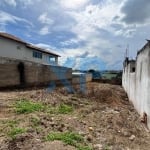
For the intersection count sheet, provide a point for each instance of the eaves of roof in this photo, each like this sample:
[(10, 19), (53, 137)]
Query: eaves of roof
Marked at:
[(14, 38)]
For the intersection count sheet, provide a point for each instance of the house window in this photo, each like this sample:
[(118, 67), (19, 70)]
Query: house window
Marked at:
[(37, 54), (51, 59), (133, 69)]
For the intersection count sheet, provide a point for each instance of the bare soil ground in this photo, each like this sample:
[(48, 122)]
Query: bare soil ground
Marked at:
[(103, 116)]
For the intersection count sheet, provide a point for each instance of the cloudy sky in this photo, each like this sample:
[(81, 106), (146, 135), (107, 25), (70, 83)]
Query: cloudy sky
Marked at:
[(88, 34)]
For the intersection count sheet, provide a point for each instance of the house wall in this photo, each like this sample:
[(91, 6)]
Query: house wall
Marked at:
[(9, 49), (35, 74), (137, 84)]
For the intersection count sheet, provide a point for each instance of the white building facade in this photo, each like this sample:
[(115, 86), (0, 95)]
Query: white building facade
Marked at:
[(136, 81), (14, 48)]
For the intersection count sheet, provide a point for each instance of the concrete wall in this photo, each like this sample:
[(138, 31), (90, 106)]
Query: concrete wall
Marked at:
[(81, 78), (35, 74), (16, 50), (137, 84)]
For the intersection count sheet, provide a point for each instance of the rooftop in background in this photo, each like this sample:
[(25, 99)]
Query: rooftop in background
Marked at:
[(14, 38)]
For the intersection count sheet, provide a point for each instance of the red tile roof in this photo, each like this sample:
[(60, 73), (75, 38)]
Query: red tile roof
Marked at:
[(14, 38)]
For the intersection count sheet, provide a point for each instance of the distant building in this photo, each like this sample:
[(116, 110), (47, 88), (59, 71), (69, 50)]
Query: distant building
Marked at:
[(14, 48)]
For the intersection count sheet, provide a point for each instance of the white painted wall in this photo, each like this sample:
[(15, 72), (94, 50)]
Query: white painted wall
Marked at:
[(137, 85), (8, 49)]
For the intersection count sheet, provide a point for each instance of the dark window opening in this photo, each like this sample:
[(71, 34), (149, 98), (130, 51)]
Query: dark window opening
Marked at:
[(133, 69), (37, 54)]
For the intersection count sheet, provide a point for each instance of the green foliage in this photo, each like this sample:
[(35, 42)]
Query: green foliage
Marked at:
[(11, 123), (109, 75), (70, 138), (106, 147), (35, 121), (26, 106), (84, 148), (16, 131), (64, 109), (61, 109)]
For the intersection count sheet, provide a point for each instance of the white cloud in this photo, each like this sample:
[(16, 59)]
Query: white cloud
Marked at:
[(8, 18), (11, 2), (44, 30), (126, 32), (90, 28), (70, 42), (46, 46), (73, 4), (95, 16), (24, 3), (43, 18)]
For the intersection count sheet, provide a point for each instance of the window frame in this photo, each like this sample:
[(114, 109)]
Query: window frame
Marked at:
[(37, 54)]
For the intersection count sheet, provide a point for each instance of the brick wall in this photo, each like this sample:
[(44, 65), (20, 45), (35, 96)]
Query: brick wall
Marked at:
[(35, 74)]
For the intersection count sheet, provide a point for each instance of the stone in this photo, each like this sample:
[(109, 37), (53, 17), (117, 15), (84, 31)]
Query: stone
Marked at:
[(91, 129), (126, 134), (132, 137), (82, 133), (84, 123), (30, 130), (98, 146)]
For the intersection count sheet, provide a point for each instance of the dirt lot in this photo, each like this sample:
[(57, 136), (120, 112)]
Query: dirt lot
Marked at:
[(102, 116)]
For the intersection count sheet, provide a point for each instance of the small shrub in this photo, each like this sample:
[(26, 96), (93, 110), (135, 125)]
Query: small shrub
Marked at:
[(16, 131), (64, 109), (25, 106), (69, 138)]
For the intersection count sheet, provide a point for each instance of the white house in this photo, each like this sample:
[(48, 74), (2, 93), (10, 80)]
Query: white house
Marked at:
[(14, 48)]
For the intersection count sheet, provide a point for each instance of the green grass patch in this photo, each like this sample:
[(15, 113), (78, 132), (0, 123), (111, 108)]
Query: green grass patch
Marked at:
[(83, 147), (64, 109), (109, 75), (26, 106), (11, 123), (61, 109), (35, 121), (16, 131), (70, 138)]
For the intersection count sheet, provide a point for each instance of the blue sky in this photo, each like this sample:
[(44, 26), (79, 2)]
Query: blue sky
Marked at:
[(88, 34)]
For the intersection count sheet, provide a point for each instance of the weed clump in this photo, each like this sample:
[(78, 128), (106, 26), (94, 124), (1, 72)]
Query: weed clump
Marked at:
[(70, 138), (65, 109), (26, 106), (16, 131)]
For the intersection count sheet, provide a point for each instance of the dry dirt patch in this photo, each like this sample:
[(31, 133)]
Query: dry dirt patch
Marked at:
[(102, 115)]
